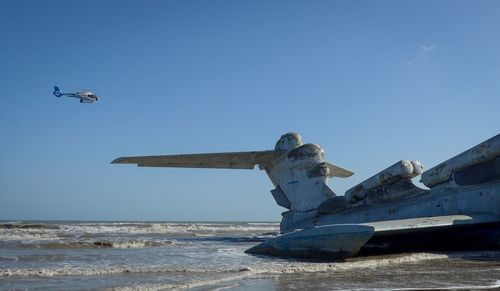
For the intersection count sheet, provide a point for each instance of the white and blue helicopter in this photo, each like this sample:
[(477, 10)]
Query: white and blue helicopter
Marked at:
[(85, 96)]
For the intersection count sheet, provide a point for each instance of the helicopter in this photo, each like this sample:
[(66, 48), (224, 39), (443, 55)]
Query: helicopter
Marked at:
[(85, 96), (386, 212)]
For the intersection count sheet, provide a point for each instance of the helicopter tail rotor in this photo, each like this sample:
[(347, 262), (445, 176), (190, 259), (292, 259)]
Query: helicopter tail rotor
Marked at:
[(57, 92)]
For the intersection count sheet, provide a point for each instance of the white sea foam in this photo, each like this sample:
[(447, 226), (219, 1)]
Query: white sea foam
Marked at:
[(194, 283), (256, 268), (242, 275), (28, 234), (119, 244), (198, 255), (305, 267), (494, 285), (141, 228), (93, 270), (139, 244)]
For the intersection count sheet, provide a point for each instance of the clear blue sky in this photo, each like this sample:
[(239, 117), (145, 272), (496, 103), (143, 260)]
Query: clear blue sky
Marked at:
[(372, 82)]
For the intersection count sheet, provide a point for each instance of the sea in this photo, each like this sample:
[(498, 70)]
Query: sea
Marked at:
[(62, 255)]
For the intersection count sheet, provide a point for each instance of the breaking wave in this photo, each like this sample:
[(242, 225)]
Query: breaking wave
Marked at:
[(202, 283), (21, 225), (29, 232), (130, 244), (267, 268), (139, 227), (175, 228), (123, 244), (172, 255), (22, 234), (302, 267), (92, 271), (493, 286), (189, 284)]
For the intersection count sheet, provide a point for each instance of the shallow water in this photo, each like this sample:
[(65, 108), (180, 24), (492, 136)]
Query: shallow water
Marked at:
[(168, 255)]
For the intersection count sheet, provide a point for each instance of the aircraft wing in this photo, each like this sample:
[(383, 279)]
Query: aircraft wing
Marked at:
[(336, 171), (414, 224), (231, 160)]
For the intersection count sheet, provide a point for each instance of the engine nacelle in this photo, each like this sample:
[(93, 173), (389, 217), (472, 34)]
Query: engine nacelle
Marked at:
[(401, 170), (483, 152), (288, 142)]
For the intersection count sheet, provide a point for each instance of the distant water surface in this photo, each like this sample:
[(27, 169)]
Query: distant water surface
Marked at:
[(206, 255)]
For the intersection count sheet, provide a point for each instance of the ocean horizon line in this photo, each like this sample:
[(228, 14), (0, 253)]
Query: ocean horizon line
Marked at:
[(132, 221)]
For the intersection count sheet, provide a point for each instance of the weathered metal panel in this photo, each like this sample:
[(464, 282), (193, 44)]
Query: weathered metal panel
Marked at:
[(333, 205), (336, 171), (483, 152), (480, 199), (400, 170), (234, 160), (280, 197), (330, 241), (402, 225), (288, 142), (402, 189), (478, 174), (302, 174)]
